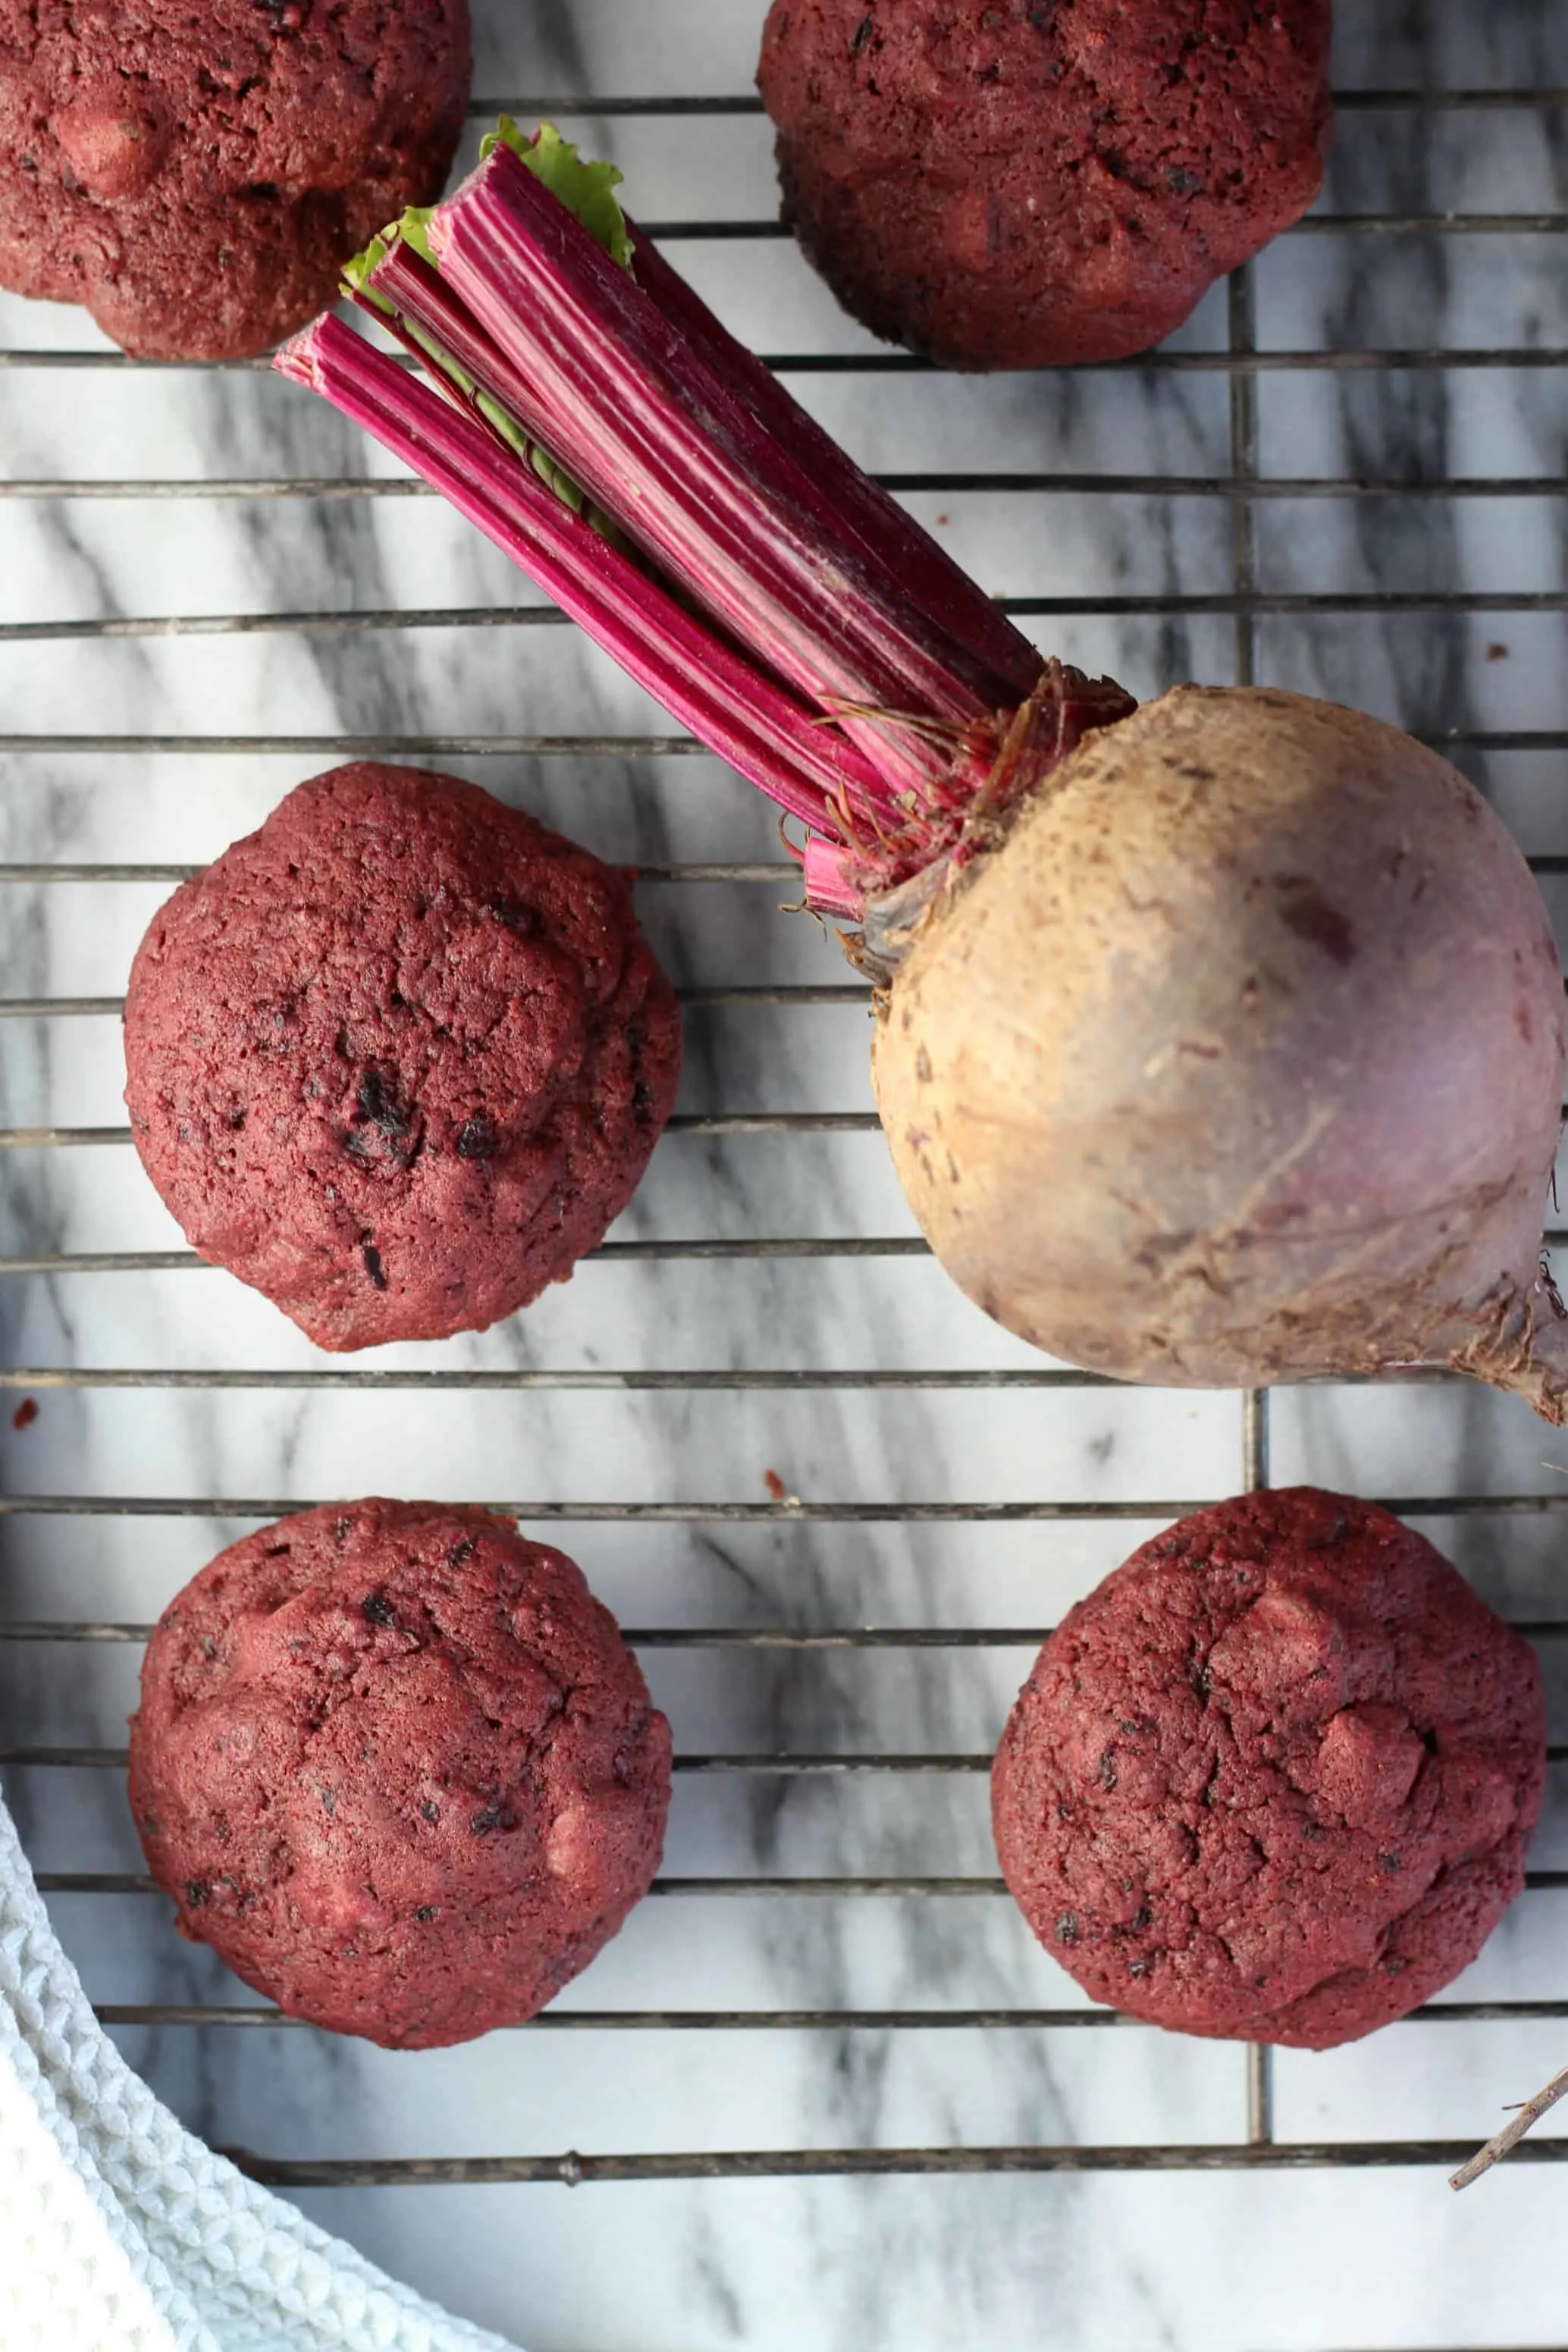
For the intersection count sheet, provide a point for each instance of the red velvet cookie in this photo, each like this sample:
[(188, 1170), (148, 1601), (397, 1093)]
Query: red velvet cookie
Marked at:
[(1274, 1779), (399, 1058), (398, 1768), (197, 175), (1009, 183)]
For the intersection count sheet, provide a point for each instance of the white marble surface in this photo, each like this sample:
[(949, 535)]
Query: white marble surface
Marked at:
[(1107, 2264)]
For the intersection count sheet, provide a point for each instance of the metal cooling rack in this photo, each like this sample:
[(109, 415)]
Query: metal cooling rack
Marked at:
[(1254, 2146)]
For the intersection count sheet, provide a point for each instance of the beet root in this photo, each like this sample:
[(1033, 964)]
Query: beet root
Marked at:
[(1240, 1059)]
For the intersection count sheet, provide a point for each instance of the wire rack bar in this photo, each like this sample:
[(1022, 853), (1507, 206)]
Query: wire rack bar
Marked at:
[(187, 1261), (110, 628), (809, 992), (765, 1514), (579, 1382), (655, 1380), (775, 872), (675, 2020), (334, 488), (830, 1246), (124, 1881), (761, 1122), (697, 1380), (794, 992), (760, 229), (1371, 359), (574, 2171), (365, 747), (704, 1383), (729, 1637), (1347, 101), (837, 1889), (794, 1765), (585, 747), (556, 2020), (757, 1122)]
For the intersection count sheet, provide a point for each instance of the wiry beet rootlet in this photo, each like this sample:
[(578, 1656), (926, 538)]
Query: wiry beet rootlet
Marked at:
[(1240, 1059)]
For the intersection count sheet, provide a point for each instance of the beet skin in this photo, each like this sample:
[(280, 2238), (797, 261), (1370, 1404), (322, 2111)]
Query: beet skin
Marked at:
[(1238, 1059)]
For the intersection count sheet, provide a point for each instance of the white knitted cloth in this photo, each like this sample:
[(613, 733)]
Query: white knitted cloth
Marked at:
[(119, 2232)]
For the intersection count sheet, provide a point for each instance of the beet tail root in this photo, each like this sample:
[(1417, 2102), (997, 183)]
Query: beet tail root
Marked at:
[(1525, 1350)]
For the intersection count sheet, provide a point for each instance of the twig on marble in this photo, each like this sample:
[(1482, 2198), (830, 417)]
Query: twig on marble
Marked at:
[(1508, 2139)]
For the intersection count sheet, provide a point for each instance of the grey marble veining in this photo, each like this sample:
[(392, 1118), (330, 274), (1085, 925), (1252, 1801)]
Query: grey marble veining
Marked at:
[(1109, 2264)]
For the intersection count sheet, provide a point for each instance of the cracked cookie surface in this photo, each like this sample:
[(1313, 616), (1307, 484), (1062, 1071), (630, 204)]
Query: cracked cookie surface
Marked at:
[(1273, 1781), (398, 1768), (400, 1058), (197, 176), (1007, 183)]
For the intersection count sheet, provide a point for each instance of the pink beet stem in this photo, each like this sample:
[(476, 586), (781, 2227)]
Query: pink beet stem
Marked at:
[(908, 557), (830, 886), (420, 295), (659, 438), (739, 714), (845, 665)]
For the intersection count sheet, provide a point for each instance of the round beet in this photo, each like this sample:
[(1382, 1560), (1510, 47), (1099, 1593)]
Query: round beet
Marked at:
[(398, 1768), (1041, 182), (399, 1058), (1274, 1780), (1238, 1058), (197, 177)]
